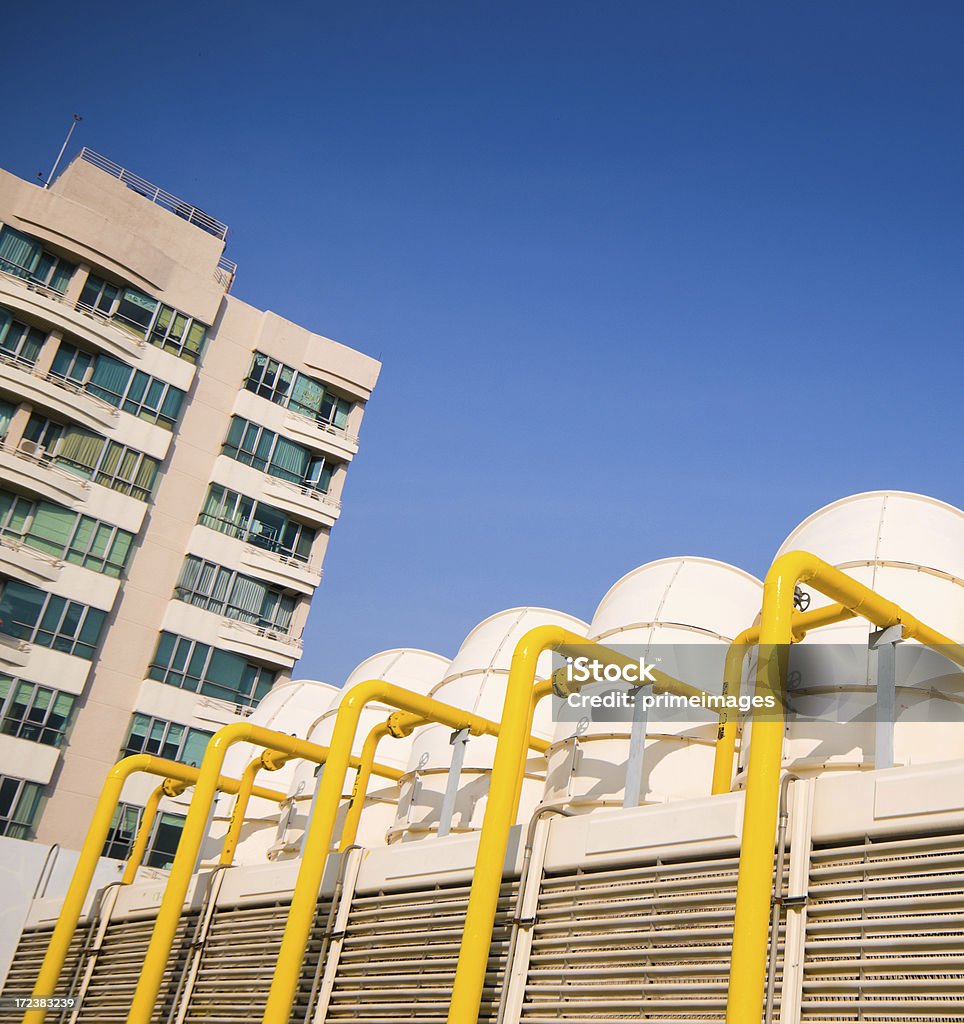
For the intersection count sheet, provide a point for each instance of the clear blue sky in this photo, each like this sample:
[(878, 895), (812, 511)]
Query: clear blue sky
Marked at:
[(647, 279)]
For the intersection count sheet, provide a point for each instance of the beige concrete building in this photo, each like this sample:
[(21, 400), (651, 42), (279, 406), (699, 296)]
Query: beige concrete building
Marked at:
[(171, 465)]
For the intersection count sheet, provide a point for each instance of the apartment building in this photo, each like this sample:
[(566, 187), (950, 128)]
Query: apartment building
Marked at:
[(171, 465)]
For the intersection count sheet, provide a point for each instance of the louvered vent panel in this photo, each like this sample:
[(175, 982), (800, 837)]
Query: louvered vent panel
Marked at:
[(650, 942), (238, 961), (399, 956), (26, 966), (118, 966), (885, 932)]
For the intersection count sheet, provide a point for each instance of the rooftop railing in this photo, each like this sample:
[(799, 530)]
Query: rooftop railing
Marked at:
[(157, 195)]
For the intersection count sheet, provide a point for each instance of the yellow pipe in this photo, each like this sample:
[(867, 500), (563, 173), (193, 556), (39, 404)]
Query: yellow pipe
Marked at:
[(502, 806), (53, 962), (321, 830), (751, 923), (238, 811), (802, 623), (192, 835), (147, 822)]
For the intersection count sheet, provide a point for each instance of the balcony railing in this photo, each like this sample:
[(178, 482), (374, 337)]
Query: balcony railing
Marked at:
[(306, 491), (35, 454), (11, 359), (268, 632), (157, 195)]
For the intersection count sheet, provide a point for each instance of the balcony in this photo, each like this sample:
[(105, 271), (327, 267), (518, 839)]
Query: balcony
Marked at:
[(52, 308), (30, 469), (24, 562), (56, 393), (265, 644), (281, 569), (316, 506), (316, 433), (14, 653)]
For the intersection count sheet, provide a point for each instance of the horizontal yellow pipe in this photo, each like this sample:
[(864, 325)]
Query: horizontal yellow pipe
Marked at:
[(752, 919)]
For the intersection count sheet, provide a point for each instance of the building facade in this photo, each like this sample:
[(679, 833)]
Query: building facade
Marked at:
[(171, 465)]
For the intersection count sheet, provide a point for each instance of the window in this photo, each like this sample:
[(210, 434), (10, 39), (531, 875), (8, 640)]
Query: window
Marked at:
[(270, 453), (26, 257), (227, 592), (161, 325), (47, 620), (19, 342), (123, 829), (165, 739), (19, 804), (135, 392), (34, 712), (59, 532), (6, 415), (261, 525), (191, 665), (71, 363), (162, 844), (283, 385), (89, 455)]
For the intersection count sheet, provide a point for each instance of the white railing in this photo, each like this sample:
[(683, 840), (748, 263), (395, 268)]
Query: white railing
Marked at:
[(266, 632), (46, 461), (17, 543), (11, 359), (156, 195), (279, 556), (323, 427), (308, 492), (229, 706)]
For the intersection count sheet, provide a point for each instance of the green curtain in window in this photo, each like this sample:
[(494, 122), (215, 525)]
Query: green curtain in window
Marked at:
[(18, 254), (6, 415), (290, 459), (110, 379), (51, 528), (5, 320), (80, 449)]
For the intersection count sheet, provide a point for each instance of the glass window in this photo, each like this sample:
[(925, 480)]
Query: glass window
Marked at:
[(163, 843), (261, 525), (18, 341), (53, 272), (19, 804), (34, 712), (158, 736), (266, 451), (6, 415), (19, 254), (123, 829), (135, 310), (302, 394), (48, 620), (135, 392), (71, 363), (192, 665), (98, 295), (227, 592)]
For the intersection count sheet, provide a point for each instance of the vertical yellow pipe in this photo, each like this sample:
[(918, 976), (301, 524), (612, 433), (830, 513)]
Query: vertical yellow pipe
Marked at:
[(167, 788), (321, 830), (238, 812), (500, 814), (349, 831), (192, 835), (752, 917)]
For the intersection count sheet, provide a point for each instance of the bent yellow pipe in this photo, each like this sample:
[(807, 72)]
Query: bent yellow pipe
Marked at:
[(503, 801), (751, 924), (801, 624), (192, 835), (46, 984), (321, 830)]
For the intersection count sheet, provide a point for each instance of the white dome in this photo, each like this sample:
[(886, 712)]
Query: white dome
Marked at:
[(908, 548), (475, 681), (671, 609)]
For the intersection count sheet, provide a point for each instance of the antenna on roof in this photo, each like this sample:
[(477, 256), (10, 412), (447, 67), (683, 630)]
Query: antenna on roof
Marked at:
[(53, 170)]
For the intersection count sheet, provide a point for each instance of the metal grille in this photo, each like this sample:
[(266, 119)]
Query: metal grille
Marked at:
[(885, 932), (118, 967), (649, 942), (26, 966), (238, 961), (399, 956)]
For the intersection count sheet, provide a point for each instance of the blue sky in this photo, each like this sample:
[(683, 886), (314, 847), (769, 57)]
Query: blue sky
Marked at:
[(646, 279)]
